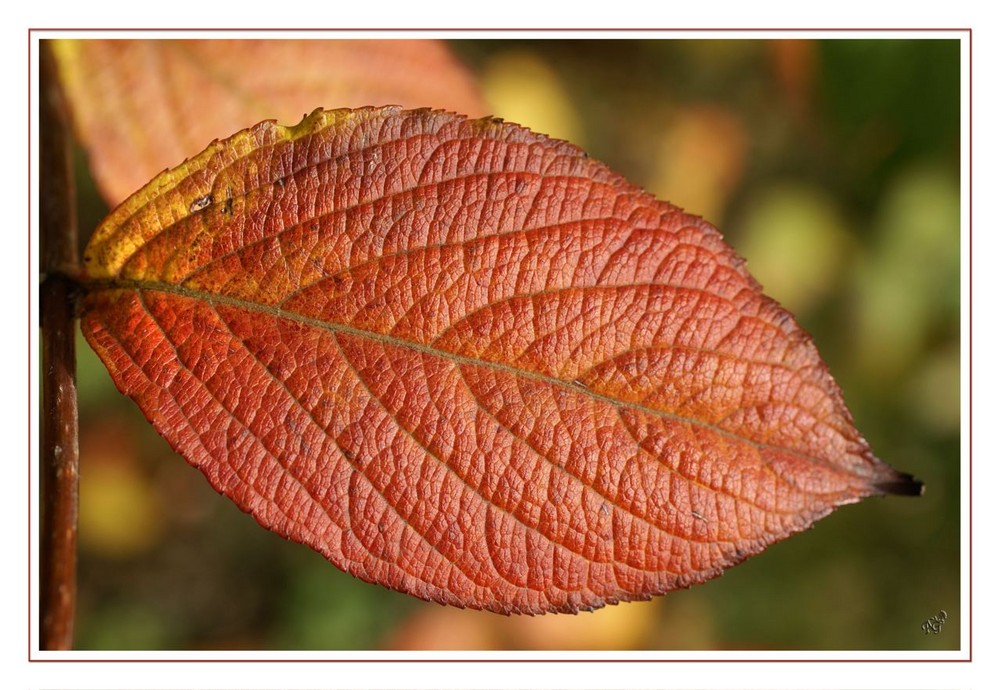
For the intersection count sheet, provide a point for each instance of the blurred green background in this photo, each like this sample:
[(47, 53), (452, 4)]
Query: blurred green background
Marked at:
[(833, 166)]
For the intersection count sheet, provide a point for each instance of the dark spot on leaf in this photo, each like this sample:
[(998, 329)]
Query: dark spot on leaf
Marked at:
[(470, 252), (200, 203)]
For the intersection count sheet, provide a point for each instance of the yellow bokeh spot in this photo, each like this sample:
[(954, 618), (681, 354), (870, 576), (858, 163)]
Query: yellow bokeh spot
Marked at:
[(119, 513), (624, 626), (700, 160), (796, 243), (522, 88)]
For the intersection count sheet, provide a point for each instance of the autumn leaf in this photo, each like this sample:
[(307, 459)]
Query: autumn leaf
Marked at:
[(139, 106), (467, 362)]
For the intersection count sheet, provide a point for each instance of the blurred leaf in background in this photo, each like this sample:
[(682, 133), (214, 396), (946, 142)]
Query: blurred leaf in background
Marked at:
[(833, 167), (140, 106)]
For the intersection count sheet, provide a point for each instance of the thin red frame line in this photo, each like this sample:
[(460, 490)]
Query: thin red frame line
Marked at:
[(30, 350), (970, 346)]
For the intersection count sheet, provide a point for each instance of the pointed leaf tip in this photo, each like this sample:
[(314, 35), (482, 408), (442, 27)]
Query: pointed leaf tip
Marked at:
[(902, 485)]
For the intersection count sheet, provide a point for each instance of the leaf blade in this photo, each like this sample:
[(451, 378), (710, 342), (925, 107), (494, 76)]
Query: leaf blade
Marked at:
[(515, 381)]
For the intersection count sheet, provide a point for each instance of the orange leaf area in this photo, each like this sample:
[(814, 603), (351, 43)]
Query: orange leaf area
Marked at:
[(467, 362), (140, 106)]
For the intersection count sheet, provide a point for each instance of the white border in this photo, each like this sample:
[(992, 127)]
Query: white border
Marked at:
[(476, 675)]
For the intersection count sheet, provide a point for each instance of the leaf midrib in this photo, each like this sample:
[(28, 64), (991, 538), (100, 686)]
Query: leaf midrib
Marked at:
[(458, 359)]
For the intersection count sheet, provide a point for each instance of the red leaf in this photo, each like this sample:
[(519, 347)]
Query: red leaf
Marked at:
[(465, 361)]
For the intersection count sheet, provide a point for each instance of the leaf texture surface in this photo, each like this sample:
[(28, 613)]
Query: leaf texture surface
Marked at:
[(467, 362), (140, 106)]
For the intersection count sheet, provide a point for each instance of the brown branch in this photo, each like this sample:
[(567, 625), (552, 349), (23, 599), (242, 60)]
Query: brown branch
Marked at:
[(59, 447)]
